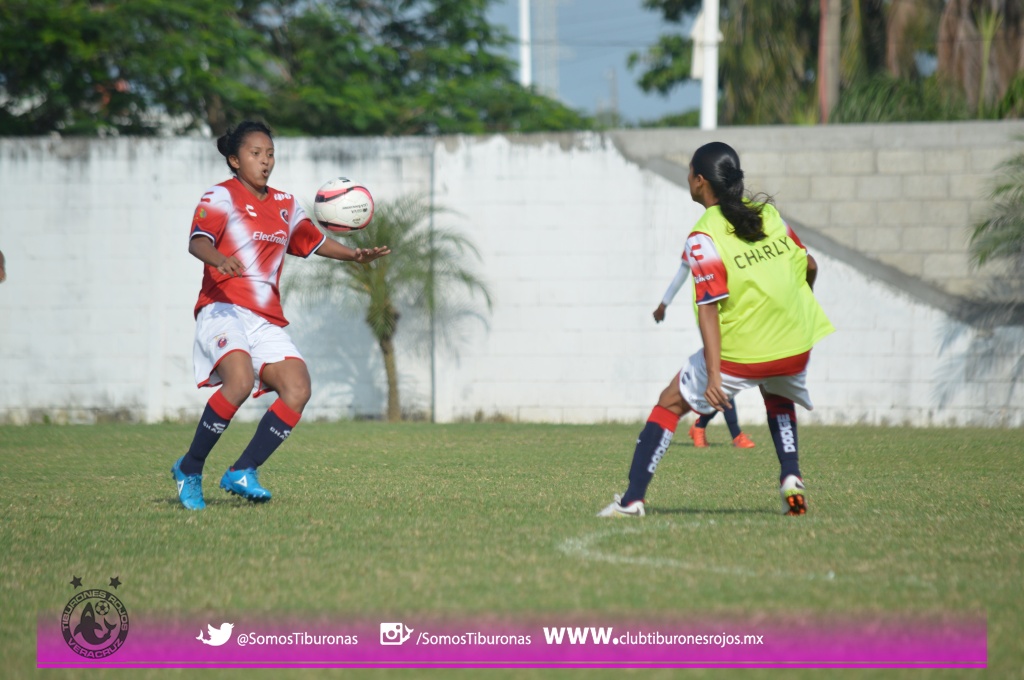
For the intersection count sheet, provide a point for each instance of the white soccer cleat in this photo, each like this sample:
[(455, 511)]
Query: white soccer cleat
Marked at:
[(616, 509), (794, 498)]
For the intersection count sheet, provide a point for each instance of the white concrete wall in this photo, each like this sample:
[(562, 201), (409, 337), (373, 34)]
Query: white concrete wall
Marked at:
[(578, 244)]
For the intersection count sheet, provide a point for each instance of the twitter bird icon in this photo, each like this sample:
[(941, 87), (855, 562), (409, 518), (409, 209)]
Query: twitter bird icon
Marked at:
[(218, 636)]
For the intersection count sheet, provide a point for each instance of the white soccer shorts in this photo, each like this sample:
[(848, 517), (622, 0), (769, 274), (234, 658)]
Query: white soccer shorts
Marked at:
[(222, 328), (693, 383)]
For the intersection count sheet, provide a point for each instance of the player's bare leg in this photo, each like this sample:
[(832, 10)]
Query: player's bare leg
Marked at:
[(290, 379), (235, 371), (237, 377)]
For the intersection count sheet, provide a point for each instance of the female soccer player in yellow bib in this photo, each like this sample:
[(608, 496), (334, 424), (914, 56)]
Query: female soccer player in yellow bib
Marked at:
[(758, 319)]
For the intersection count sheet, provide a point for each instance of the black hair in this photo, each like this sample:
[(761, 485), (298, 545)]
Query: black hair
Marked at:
[(719, 164), (229, 142)]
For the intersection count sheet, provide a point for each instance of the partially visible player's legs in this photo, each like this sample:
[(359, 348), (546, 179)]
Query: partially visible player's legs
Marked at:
[(236, 374), (651, 446), (697, 430), (730, 419), (235, 371), (739, 439), (782, 425), (290, 379), (699, 435)]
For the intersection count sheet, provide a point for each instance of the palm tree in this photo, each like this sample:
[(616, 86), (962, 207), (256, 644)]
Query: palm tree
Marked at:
[(426, 276), (996, 345), (1000, 236)]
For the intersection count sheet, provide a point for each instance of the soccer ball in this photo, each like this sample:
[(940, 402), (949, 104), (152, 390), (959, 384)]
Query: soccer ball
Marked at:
[(342, 205)]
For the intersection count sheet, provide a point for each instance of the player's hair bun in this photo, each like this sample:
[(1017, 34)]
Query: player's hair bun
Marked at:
[(224, 144), (231, 141)]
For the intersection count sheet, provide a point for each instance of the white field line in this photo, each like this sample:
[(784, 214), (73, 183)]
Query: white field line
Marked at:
[(587, 547)]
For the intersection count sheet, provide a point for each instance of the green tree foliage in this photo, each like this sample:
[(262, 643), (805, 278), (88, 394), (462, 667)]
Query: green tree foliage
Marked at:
[(1000, 236), (981, 49), (395, 67), (77, 66), (320, 67), (885, 99), (768, 59), (428, 281)]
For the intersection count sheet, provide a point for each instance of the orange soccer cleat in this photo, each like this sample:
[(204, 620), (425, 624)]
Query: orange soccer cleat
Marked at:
[(697, 434), (742, 441)]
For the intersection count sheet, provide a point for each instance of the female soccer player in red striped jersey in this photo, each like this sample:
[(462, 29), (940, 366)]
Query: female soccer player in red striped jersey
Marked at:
[(241, 231), (758, 318)]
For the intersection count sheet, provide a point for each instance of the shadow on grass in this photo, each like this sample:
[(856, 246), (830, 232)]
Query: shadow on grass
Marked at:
[(710, 511), (227, 501)]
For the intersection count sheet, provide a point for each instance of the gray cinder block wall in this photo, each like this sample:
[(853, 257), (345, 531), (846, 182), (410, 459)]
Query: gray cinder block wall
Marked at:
[(902, 195)]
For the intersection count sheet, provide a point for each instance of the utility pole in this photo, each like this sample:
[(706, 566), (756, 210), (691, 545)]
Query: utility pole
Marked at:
[(546, 51), (828, 57), (709, 81), (613, 97), (525, 45)]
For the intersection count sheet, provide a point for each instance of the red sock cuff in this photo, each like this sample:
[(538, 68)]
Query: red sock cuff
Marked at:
[(281, 410), (663, 417), (221, 406), (775, 405)]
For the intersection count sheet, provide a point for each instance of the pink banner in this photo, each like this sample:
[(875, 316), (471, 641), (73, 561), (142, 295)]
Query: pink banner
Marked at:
[(555, 642)]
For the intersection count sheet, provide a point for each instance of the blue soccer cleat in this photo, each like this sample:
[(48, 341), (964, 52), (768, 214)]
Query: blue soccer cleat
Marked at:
[(245, 483), (190, 488)]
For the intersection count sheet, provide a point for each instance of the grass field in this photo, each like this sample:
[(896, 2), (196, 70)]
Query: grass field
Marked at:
[(371, 519)]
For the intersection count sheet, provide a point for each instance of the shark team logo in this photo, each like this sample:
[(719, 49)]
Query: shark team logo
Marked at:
[(217, 636), (94, 622)]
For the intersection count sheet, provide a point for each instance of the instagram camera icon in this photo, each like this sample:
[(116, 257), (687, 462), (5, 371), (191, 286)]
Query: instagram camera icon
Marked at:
[(394, 633)]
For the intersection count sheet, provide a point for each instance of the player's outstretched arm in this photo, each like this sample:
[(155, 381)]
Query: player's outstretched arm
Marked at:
[(337, 251), (678, 280)]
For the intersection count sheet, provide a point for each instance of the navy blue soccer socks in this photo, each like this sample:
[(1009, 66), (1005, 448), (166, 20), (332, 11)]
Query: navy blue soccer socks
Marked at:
[(651, 447), (215, 419), (782, 425), (274, 428)]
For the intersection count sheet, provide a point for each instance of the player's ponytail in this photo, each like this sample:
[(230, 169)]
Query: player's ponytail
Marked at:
[(719, 164), (231, 141)]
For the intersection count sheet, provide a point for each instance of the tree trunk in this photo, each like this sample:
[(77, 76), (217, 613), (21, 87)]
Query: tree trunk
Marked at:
[(387, 349), (899, 48), (828, 58)]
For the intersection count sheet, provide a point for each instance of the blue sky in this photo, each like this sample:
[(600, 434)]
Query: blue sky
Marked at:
[(596, 37)]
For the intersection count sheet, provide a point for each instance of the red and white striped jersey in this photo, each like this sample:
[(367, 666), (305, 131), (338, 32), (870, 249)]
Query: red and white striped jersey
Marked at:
[(258, 233)]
